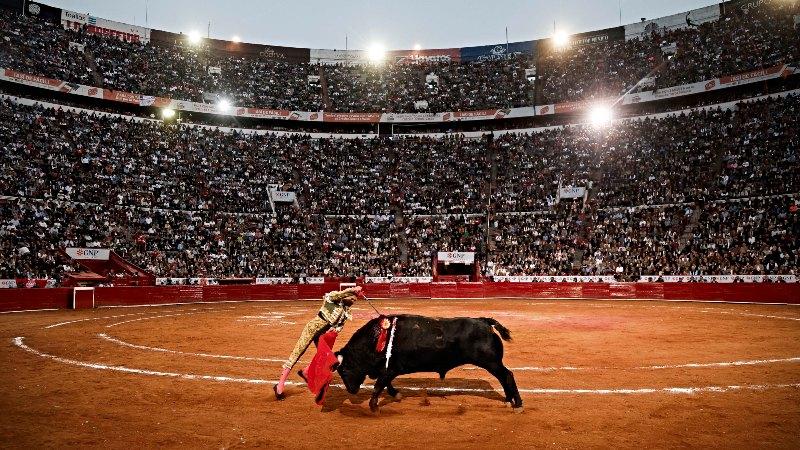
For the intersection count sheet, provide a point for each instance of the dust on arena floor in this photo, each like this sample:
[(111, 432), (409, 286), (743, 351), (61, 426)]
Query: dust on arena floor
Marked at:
[(591, 373)]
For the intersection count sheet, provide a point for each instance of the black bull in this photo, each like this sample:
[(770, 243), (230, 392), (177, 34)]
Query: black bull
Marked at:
[(426, 344)]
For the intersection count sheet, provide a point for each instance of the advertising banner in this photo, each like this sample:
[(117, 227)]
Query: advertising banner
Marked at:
[(709, 85), (742, 5), (598, 37), (351, 117), (8, 284), (571, 192), (109, 28), (407, 280), (97, 254), (273, 52), (486, 114), (203, 281), (332, 57), (42, 11), (755, 76), (411, 117), (171, 281), (426, 55), (283, 196), (563, 108), (554, 279), (274, 280), (263, 113), (499, 52), (674, 22), (122, 97), (456, 257), (30, 283), (545, 110), (718, 279), (32, 80)]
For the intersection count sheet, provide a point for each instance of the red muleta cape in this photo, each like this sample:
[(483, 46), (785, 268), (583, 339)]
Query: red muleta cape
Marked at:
[(318, 373)]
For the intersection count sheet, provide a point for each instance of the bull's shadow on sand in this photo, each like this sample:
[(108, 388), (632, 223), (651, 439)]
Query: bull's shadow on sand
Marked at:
[(416, 390)]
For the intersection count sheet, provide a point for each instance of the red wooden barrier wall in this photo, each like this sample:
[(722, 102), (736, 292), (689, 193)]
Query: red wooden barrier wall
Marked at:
[(22, 299)]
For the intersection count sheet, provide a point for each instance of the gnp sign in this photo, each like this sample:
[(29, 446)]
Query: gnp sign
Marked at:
[(98, 254), (457, 257)]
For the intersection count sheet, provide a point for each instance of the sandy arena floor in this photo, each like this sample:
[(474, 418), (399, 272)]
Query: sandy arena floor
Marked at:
[(591, 374)]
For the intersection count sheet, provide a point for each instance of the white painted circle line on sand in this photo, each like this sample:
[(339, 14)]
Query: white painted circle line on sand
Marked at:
[(177, 352), (149, 318), (752, 362), (749, 362), (196, 311), (100, 318), (89, 319), (18, 341)]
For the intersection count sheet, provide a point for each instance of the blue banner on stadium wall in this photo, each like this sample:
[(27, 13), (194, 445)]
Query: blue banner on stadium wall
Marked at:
[(498, 52)]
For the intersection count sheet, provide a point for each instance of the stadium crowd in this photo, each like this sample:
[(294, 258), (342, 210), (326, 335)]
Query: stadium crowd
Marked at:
[(182, 200), (742, 40)]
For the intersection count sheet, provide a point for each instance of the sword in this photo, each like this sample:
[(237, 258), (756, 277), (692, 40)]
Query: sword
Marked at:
[(370, 304)]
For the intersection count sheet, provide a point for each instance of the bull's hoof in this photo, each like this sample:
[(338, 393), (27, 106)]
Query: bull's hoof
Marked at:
[(518, 409), (374, 408), (508, 404), (278, 396), (398, 396)]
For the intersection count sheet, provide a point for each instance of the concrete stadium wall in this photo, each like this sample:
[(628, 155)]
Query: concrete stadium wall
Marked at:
[(59, 298)]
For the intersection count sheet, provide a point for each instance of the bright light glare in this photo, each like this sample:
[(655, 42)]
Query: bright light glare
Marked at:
[(167, 113), (236, 39), (417, 47), (561, 38), (224, 106), (601, 116), (194, 37), (376, 52)]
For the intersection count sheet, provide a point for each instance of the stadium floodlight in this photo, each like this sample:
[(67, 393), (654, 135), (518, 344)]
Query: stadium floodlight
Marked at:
[(236, 39), (600, 116), (194, 37), (560, 38), (224, 106), (376, 53), (167, 113), (417, 47)]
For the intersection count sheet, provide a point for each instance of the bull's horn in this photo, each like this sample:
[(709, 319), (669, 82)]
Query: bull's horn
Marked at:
[(340, 358)]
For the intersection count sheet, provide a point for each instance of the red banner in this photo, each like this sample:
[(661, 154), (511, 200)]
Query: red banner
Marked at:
[(33, 79), (562, 108), (747, 77), (265, 113), (123, 97)]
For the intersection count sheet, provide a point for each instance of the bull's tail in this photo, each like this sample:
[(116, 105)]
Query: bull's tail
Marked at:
[(505, 333)]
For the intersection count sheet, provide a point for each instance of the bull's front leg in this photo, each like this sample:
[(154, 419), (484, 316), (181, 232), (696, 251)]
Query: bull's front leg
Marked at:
[(393, 392), (380, 384)]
